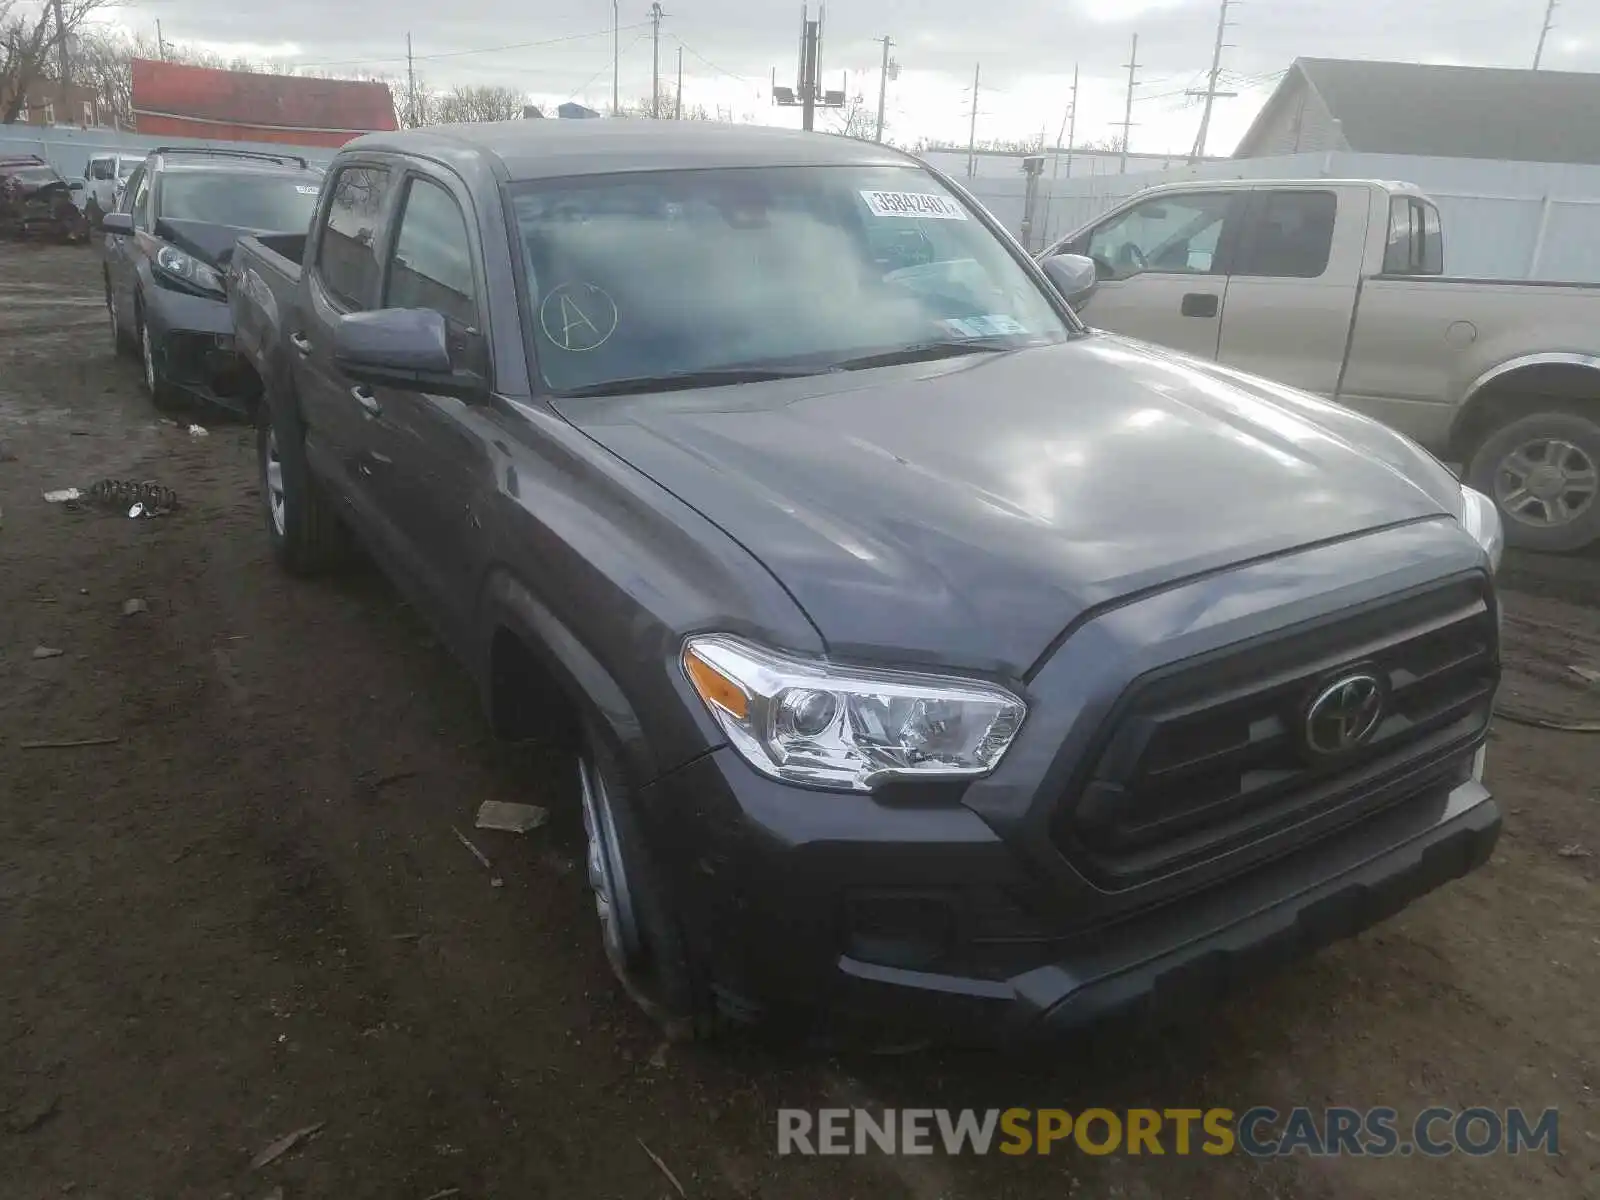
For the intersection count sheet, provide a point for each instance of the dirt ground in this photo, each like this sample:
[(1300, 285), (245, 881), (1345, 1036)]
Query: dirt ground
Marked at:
[(249, 914)]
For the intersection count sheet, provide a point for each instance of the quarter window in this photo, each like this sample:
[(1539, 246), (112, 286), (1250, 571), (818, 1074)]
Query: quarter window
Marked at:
[(1416, 243), (432, 262), (1290, 236), (347, 254)]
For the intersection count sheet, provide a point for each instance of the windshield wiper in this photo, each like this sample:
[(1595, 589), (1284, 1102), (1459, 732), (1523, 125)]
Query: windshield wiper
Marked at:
[(925, 352), (684, 380)]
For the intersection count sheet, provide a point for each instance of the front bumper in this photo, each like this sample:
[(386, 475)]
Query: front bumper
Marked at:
[(192, 338), (919, 921)]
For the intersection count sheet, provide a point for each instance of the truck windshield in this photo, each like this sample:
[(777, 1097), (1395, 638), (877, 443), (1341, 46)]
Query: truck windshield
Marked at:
[(254, 200), (691, 273)]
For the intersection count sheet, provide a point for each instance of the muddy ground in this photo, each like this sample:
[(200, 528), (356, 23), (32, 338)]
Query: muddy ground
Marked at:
[(249, 914)]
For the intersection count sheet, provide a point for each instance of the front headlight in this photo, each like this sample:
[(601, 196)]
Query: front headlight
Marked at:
[(807, 721), (1481, 518), (187, 268)]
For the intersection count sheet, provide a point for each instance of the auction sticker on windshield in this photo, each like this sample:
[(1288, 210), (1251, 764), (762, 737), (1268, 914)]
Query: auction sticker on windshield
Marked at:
[(914, 204)]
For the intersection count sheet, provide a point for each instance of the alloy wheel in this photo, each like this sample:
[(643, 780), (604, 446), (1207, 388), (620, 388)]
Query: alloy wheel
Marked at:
[(272, 469), (1547, 482)]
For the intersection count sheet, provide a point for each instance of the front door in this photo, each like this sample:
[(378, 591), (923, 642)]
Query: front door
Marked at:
[(343, 261), (440, 472), (1163, 269)]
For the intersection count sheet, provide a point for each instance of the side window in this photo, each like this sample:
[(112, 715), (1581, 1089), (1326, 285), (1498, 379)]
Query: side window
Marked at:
[(139, 189), (1172, 234), (1416, 243), (347, 256), (432, 262), (1290, 235), (131, 190)]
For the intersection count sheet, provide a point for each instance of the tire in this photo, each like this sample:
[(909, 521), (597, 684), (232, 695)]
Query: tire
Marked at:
[(162, 394), (123, 343), (304, 531), (1543, 471), (643, 940)]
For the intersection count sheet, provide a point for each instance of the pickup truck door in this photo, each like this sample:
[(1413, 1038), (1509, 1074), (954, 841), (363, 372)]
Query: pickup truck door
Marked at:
[(1162, 266), (437, 472), (341, 274), (1293, 283)]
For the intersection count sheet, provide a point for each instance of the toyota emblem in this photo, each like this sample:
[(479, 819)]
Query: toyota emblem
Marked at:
[(1344, 714)]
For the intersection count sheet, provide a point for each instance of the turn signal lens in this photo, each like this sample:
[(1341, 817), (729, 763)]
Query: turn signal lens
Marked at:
[(715, 688)]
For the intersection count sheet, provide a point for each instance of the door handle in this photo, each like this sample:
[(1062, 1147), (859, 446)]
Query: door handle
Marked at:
[(300, 342), (1199, 304), (369, 402)]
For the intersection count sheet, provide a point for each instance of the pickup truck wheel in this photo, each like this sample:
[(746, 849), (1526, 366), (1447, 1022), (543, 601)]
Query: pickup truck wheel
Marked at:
[(642, 939), (1544, 473), (302, 527)]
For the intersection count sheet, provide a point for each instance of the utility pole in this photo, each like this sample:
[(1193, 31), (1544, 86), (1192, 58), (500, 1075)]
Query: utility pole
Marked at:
[(61, 51), (161, 42), (678, 108), (810, 34), (616, 56), (655, 70), (1538, 54), (883, 85), (1069, 126), (411, 79), (1127, 119), (972, 132), (1211, 94)]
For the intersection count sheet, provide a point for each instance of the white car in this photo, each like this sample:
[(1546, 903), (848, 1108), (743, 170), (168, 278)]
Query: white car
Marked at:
[(104, 177)]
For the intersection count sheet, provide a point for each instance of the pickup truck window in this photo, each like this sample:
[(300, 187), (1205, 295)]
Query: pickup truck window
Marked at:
[(1416, 243), (100, 168), (432, 263), (681, 272), (1176, 235), (347, 256), (1289, 235), (141, 202)]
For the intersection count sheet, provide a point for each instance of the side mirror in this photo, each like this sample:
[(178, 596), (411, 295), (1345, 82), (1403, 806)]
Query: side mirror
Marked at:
[(1074, 276), (117, 224), (404, 348)]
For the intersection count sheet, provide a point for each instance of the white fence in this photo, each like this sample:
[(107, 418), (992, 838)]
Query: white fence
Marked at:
[(69, 149), (1506, 220)]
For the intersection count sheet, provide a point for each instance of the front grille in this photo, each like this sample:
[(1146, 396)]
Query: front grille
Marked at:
[(1210, 755)]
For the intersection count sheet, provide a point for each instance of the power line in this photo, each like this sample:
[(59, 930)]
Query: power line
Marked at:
[(571, 37), (719, 70), (587, 82)]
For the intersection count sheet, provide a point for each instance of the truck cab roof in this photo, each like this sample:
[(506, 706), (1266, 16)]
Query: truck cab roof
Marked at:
[(526, 150)]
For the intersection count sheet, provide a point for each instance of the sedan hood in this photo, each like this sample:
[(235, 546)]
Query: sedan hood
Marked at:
[(964, 512), (208, 241)]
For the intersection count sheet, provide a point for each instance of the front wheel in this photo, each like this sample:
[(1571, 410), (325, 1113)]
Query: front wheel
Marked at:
[(1543, 471), (162, 393), (641, 936)]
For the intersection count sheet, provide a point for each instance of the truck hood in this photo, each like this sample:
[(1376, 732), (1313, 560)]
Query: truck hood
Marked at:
[(963, 513), (209, 241)]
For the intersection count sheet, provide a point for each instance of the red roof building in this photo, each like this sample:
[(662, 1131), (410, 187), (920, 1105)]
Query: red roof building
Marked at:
[(177, 100)]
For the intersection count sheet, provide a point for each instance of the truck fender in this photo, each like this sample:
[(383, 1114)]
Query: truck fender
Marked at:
[(1559, 374), (583, 681)]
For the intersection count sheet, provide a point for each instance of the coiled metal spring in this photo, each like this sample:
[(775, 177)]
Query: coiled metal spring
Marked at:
[(121, 494)]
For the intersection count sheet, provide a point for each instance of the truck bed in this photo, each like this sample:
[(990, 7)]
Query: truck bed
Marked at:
[(263, 280)]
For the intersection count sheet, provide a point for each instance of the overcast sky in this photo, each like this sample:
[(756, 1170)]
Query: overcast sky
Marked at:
[(1026, 49)]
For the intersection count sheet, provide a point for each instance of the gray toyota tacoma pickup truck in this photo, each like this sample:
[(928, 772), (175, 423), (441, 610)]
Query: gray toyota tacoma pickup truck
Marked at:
[(934, 666)]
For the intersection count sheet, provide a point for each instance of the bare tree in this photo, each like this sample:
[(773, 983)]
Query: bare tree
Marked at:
[(482, 103), (29, 36), (669, 107), (856, 120)]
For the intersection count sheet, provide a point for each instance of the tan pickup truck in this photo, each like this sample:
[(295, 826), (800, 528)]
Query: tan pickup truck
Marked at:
[(1337, 287)]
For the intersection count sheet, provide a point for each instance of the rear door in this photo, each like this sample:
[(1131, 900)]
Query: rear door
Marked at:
[(1293, 287), (341, 274), (1162, 266)]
